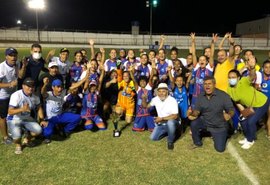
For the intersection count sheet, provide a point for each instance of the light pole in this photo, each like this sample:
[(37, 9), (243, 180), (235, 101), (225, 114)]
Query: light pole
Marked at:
[(151, 4), (36, 5)]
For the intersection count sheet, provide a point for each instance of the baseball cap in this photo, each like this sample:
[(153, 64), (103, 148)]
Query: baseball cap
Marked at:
[(29, 82), (93, 82), (51, 64), (64, 50), (57, 82), (11, 51), (163, 86)]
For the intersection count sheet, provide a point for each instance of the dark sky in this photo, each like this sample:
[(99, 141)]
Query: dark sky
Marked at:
[(171, 16)]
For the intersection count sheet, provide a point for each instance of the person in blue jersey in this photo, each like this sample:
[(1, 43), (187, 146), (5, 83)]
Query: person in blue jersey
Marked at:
[(180, 93), (143, 119), (162, 65), (89, 108), (55, 115), (22, 103), (265, 88), (76, 68)]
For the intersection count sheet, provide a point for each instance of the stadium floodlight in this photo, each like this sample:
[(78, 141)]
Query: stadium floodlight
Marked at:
[(151, 4), (37, 5)]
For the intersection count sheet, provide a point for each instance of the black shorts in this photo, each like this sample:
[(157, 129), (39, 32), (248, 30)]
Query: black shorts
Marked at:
[(4, 108)]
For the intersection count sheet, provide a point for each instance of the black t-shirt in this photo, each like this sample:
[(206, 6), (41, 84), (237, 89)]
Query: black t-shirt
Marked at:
[(111, 93)]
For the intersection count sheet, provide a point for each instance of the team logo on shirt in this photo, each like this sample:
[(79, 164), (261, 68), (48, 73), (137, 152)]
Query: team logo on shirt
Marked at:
[(264, 85)]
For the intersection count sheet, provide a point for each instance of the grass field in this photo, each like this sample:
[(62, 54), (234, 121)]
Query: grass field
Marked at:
[(98, 158)]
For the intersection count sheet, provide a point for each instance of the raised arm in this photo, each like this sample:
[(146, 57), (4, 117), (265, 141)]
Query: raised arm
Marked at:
[(214, 40), (44, 87), (193, 49), (226, 36), (162, 40), (131, 72), (49, 56), (24, 64), (169, 71), (92, 50), (102, 50)]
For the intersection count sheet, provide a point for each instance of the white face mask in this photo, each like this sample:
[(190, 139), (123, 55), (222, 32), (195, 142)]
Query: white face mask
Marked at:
[(233, 81), (36, 56)]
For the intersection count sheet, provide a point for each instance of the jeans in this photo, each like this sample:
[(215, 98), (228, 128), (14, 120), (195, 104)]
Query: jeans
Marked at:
[(67, 119), (219, 137), (249, 125), (164, 129), (15, 127)]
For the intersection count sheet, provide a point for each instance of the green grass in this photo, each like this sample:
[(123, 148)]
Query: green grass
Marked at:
[(98, 158)]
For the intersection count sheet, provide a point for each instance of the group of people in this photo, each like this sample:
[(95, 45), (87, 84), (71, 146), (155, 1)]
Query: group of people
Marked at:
[(150, 91)]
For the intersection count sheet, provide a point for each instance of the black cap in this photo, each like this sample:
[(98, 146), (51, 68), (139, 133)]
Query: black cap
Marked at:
[(64, 50), (29, 82)]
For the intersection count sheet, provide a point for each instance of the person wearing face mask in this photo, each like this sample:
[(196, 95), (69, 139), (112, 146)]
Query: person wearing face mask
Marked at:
[(32, 65), (244, 95)]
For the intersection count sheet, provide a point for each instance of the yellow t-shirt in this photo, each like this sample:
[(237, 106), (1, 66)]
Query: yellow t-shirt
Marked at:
[(221, 74)]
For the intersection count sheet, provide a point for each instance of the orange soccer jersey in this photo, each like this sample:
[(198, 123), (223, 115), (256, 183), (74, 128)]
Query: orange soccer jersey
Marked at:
[(126, 97)]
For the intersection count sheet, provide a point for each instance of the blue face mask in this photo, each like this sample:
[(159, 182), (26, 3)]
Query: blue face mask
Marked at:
[(233, 81)]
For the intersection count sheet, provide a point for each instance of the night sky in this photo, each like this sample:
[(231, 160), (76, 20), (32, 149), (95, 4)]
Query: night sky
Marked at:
[(171, 16)]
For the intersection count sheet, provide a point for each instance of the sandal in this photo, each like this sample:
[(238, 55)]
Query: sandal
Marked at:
[(18, 150)]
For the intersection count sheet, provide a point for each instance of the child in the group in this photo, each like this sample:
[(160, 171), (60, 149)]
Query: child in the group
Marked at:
[(143, 118), (89, 108), (73, 101), (180, 93)]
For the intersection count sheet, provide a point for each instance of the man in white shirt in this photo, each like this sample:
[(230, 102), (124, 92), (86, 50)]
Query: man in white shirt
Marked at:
[(22, 103), (8, 85), (167, 111)]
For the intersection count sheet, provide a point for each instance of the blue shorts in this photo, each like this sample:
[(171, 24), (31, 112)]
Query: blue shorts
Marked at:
[(97, 120), (141, 123)]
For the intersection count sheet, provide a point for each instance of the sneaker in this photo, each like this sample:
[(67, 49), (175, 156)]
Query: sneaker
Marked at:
[(47, 141), (247, 145), (7, 141), (170, 146), (243, 141), (18, 150)]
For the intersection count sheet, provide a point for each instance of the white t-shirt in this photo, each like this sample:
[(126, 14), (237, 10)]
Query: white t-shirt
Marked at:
[(165, 108), (207, 67), (63, 67), (7, 75), (54, 104), (17, 100)]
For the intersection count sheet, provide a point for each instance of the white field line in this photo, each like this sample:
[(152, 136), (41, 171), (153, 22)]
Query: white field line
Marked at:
[(242, 165)]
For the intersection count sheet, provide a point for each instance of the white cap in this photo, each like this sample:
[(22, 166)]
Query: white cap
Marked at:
[(51, 64), (163, 86)]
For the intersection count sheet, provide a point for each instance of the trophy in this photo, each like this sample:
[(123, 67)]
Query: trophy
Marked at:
[(116, 132)]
